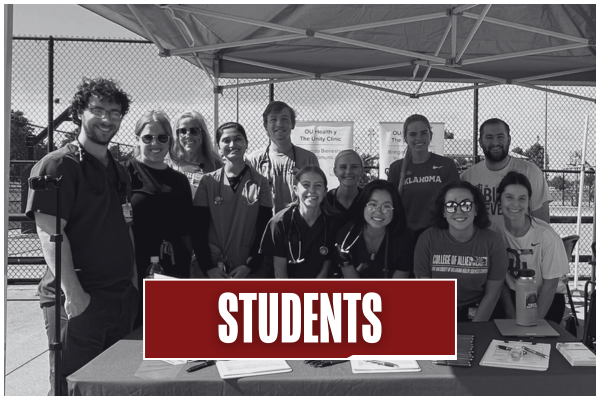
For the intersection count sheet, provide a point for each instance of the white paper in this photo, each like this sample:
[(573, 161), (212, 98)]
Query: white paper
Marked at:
[(241, 368), (364, 367)]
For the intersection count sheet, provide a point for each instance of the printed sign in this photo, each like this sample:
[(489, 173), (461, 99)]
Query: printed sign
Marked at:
[(326, 140)]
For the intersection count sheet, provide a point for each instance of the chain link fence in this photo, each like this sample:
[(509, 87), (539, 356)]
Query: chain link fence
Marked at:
[(544, 126)]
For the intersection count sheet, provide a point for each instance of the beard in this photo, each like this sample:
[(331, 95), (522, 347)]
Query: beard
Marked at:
[(496, 158), (92, 136)]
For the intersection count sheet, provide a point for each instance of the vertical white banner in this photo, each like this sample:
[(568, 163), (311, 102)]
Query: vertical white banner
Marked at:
[(392, 145), (326, 140)]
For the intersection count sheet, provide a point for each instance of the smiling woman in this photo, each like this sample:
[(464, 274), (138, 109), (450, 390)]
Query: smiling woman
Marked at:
[(460, 246), (161, 200)]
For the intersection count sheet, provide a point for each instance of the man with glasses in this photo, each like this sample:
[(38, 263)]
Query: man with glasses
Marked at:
[(99, 298), (494, 139)]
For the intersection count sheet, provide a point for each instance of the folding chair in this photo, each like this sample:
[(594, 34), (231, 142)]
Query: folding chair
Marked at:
[(589, 330), (569, 243)]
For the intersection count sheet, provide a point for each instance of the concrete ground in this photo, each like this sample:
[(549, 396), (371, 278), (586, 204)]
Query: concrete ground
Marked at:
[(26, 346)]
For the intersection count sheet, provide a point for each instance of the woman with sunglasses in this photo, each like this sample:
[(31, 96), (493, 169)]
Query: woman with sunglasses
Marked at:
[(532, 244), (460, 246), (421, 173), (376, 243), (161, 201), (191, 151), (299, 237), (236, 202)]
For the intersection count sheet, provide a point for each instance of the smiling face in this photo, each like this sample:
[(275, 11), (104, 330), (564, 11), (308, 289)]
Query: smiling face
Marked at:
[(279, 125), (96, 129), (459, 221), (418, 136), (348, 170), (310, 189), (514, 202), (232, 145), (379, 210), (495, 142), (190, 143), (153, 153)]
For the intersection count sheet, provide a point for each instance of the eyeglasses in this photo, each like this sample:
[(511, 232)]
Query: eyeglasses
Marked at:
[(101, 113), (195, 131), (148, 139), (385, 208), (452, 206)]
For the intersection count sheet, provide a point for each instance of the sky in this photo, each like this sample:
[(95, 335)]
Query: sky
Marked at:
[(64, 20)]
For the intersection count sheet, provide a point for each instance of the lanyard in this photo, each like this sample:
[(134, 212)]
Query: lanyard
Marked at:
[(323, 250), (218, 198)]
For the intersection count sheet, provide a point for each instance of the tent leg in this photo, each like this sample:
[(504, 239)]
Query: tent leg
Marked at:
[(217, 89)]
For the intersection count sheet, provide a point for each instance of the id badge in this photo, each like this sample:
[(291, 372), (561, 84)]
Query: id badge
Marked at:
[(128, 213), (472, 312)]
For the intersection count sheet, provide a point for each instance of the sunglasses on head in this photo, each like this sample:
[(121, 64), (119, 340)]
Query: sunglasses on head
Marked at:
[(162, 138), (195, 131), (452, 206)]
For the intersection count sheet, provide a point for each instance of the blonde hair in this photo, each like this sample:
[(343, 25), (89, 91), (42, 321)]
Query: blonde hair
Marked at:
[(149, 117), (206, 151)]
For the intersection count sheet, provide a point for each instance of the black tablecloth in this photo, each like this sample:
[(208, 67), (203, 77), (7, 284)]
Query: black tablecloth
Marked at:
[(121, 371)]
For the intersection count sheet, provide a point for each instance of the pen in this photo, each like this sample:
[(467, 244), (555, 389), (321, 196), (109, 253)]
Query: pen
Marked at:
[(532, 351), (504, 348), (200, 366), (384, 363), (453, 363)]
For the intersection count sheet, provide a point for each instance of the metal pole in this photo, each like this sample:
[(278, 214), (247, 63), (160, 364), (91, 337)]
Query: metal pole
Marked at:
[(580, 201), (475, 123), (57, 345), (50, 94), (216, 91), (271, 92), (546, 135)]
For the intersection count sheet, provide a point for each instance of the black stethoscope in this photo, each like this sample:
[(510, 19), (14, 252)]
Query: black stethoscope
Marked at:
[(218, 200), (265, 159), (323, 250), (346, 249), (122, 185)]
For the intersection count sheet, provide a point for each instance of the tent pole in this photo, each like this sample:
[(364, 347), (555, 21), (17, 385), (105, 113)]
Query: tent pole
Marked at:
[(581, 181), (475, 122), (271, 92), (216, 91)]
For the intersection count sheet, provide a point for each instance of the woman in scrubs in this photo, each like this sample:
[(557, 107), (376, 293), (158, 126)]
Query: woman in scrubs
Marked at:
[(299, 237), (348, 168), (460, 246), (237, 202), (376, 243)]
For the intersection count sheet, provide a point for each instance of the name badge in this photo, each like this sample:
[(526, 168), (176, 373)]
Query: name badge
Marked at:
[(128, 213)]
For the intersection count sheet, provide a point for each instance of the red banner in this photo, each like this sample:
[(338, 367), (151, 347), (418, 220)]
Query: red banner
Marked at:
[(299, 319)]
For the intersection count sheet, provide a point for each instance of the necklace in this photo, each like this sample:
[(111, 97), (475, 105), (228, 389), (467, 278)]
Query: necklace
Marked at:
[(373, 244)]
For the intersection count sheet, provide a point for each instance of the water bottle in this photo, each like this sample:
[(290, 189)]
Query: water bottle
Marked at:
[(154, 268), (526, 298)]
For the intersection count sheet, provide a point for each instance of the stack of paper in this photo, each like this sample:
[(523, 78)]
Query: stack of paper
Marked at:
[(242, 368), (375, 366), (498, 355), (577, 354)]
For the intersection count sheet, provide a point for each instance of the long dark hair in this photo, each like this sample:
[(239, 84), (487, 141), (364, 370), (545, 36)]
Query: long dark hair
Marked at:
[(481, 220), (398, 223), (515, 178)]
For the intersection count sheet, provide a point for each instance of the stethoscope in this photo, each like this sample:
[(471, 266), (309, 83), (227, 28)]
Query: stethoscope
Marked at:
[(346, 249), (265, 159), (323, 250), (122, 186), (218, 200)]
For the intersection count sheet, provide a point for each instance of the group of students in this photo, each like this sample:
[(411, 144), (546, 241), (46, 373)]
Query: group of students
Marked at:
[(213, 213)]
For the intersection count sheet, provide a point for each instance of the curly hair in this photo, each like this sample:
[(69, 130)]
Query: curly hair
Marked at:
[(104, 89), (398, 223), (481, 220)]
